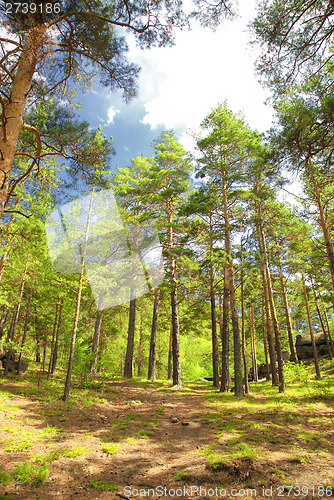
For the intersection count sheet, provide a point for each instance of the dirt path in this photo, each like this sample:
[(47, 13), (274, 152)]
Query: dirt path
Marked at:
[(141, 440)]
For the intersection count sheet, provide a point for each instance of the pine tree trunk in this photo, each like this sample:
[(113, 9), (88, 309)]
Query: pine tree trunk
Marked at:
[(13, 108), (253, 345), (215, 353), (315, 354), (175, 312), (140, 346), (96, 336), (293, 352), (128, 365), (324, 332), (55, 351), (238, 386), (243, 332), (170, 355), (273, 312), (77, 307), (23, 341), (323, 222), (153, 341), (265, 347), (53, 342), (224, 309), (38, 340)]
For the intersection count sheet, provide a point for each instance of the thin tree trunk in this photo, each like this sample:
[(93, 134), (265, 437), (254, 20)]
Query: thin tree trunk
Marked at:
[(140, 346), (153, 341), (38, 339), (96, 336), (128, 365), (315, 354), (77, 307), (270, 296), (170, 354), (55, 351), (224, 311), (175, 312), (253, 345), (293, 352), (324, 332), (17, 311), (265, 347), (53, 342), (243, 332)]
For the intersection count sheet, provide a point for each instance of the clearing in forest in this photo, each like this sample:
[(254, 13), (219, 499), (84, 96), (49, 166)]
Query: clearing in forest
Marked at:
[(131, 438)]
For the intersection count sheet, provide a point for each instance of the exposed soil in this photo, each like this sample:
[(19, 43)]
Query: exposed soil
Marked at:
[(162, 437)]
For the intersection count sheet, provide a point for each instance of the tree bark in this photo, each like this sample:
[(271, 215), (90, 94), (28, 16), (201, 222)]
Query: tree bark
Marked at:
[(293, 352), (215, 353), (315, 354), (14, 107), (153, 341), (128, 365), (140, 346), (55, 351), (265, 347), (3, 320), (243, 332), (238, 386), (253, 345), (170, 355), (96, 336), (53, 342), (224, 332)]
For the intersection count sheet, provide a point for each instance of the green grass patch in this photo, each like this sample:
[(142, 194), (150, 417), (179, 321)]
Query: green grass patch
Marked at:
[(103, 485), (75, 452), (6, 478), (31, 474), (111, 448)]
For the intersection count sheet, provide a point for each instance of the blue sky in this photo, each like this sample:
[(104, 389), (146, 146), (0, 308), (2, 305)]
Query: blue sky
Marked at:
[(179, 86)]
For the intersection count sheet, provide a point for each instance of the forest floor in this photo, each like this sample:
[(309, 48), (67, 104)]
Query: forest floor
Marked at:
[(134, 439)]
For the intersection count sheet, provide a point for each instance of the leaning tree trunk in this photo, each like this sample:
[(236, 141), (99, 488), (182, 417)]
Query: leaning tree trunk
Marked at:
[(315, 354), (153, 341), (77, 307), (13, 107)]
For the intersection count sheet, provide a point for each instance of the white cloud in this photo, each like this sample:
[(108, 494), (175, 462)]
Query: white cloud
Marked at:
[(112, 112), (180, 85)]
